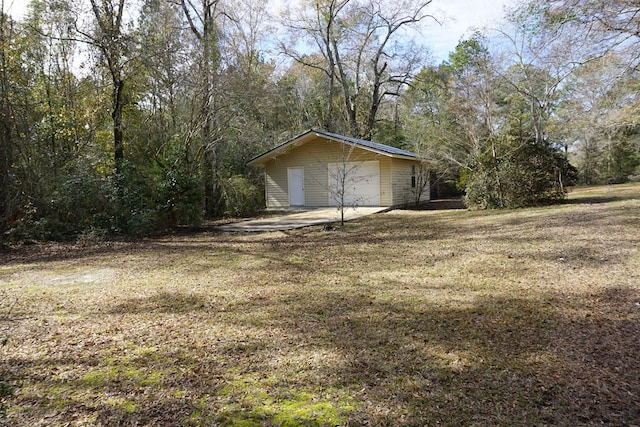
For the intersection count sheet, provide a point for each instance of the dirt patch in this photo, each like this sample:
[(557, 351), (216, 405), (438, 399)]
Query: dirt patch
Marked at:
[(77, 276), (84, 276)]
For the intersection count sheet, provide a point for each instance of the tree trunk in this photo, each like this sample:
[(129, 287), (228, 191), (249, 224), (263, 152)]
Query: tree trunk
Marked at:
[(496, 170), (349, 99), (108, 40), (332, 74), (210, 149), (118, 133), (6, 159)]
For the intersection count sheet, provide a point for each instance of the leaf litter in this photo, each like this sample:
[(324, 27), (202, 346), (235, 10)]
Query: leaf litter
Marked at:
[(453, 317)]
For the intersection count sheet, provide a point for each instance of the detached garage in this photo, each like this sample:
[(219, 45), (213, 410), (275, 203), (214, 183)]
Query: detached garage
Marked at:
[(318, 169)]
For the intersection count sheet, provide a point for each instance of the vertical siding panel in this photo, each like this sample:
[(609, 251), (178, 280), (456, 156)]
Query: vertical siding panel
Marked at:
[(276, 183), (401, 174), (386, 190)]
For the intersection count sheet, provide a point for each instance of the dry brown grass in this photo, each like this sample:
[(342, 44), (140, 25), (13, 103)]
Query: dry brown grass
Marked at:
[(527, 317)]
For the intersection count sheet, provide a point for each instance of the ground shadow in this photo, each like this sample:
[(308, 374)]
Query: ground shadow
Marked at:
[(516, 359), (440, 204), (387, 362), (592, 200)]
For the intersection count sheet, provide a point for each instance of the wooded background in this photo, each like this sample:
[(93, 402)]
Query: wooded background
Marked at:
[(131, 116)]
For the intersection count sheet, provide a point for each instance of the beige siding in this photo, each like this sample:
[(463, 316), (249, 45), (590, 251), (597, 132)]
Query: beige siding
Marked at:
[(386, 192), (403, 193), (315, 156), (276, 186)]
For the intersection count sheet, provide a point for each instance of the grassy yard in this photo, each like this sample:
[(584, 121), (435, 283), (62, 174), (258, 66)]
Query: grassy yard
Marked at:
[(453, 317)]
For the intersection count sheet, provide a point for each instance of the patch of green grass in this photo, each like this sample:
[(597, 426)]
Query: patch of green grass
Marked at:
[(251, 401), (124, 376), (122, 404)]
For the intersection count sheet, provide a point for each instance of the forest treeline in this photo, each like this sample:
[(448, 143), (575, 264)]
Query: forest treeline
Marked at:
[(130, 116)]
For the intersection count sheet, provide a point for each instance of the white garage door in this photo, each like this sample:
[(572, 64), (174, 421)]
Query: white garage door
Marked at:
[(359, 182)]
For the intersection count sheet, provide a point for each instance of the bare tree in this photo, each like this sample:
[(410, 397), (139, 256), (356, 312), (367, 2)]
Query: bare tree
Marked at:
[(341, 178), (606, 25), (359, 53), (420, 181), (575, 58)]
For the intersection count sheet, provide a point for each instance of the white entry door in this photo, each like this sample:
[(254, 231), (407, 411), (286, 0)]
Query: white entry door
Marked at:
[(296, 186)]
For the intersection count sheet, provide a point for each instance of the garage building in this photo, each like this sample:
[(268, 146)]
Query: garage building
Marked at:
[(318, 169)]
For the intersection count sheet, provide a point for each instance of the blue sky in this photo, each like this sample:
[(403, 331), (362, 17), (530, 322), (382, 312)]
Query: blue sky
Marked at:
[(15, 8), (459, 19)]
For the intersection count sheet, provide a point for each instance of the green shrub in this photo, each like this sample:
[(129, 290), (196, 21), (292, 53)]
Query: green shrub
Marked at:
[(91, 236), (624, 161), (241, 197), (528, 175), (178, 198)]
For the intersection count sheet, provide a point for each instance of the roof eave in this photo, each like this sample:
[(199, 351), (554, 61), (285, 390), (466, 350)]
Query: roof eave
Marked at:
[(299, 140), (280, 149), (398, 156)]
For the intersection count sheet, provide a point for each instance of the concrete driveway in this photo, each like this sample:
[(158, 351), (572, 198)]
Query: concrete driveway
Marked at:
[(302, 219)]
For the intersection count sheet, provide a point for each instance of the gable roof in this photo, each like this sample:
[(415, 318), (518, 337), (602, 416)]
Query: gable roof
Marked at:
[(299, 140)]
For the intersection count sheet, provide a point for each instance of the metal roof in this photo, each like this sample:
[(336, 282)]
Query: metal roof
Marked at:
[(367, 145)]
